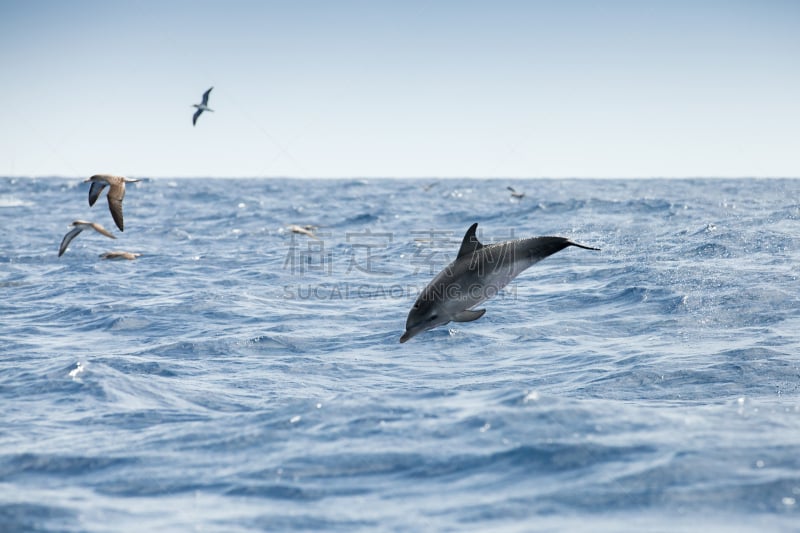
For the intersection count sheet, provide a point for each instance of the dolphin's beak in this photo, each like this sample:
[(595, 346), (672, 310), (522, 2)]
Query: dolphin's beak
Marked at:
[(407, 335)]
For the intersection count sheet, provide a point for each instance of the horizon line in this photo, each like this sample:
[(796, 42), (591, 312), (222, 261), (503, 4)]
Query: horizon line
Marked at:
[(471, 178)]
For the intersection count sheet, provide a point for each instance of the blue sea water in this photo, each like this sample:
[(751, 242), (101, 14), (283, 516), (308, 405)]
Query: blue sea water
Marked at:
[(240, 377)]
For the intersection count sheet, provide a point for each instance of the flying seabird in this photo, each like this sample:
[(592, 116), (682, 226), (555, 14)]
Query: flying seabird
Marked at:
[(120, 255), (303, 230), (514, 193), (116, 193), (203, 106), (79, 226)]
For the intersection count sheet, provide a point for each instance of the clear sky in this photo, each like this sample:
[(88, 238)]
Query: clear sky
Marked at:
[(406, 88)]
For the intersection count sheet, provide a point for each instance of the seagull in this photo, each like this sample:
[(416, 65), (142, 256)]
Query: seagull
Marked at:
[(116, 193), (514, 193), (119, 255), (201, 107), (79, 226)]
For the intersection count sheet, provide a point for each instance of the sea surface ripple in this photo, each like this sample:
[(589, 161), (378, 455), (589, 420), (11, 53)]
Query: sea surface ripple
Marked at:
[(241, 377)]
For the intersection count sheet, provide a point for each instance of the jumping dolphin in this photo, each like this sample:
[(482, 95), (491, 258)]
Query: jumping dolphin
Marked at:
[(203, 106), (477, 274)]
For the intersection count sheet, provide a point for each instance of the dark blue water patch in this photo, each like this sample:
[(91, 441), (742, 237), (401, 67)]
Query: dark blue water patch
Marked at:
[(735, 374), (153, 485), (653, 304), (13, 346), (189, 349), (82, 316), (358, 220), (308, 521), (37, 518), (354, 466), (278, 491), (145, 368), (23, 384), (25, 464), (543, 458), (772, 496), (750, 354), (684, 482), (521, 460), (142, 419)]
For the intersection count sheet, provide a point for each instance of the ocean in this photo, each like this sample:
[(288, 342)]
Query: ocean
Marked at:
[(240, 377)]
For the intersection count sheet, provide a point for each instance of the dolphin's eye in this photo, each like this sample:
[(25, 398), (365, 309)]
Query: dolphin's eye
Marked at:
[(433, 317)]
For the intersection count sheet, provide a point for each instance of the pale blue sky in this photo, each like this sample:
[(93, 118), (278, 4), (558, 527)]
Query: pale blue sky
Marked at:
[(413, 88)]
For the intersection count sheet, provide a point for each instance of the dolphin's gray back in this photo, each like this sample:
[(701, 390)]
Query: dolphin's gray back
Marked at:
[(497, 264), (476, 276), (535, 249)]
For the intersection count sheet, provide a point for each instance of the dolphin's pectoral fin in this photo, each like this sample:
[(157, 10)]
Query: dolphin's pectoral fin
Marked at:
[(469, 315)]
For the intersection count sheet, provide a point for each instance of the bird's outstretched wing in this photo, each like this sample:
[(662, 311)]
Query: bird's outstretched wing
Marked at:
[(205, 96), (101, 230), (115, 196), (95, 190), (71, 234)]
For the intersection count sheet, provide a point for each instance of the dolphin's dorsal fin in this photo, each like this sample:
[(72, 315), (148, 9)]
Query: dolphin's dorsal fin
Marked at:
[(470, 244)]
